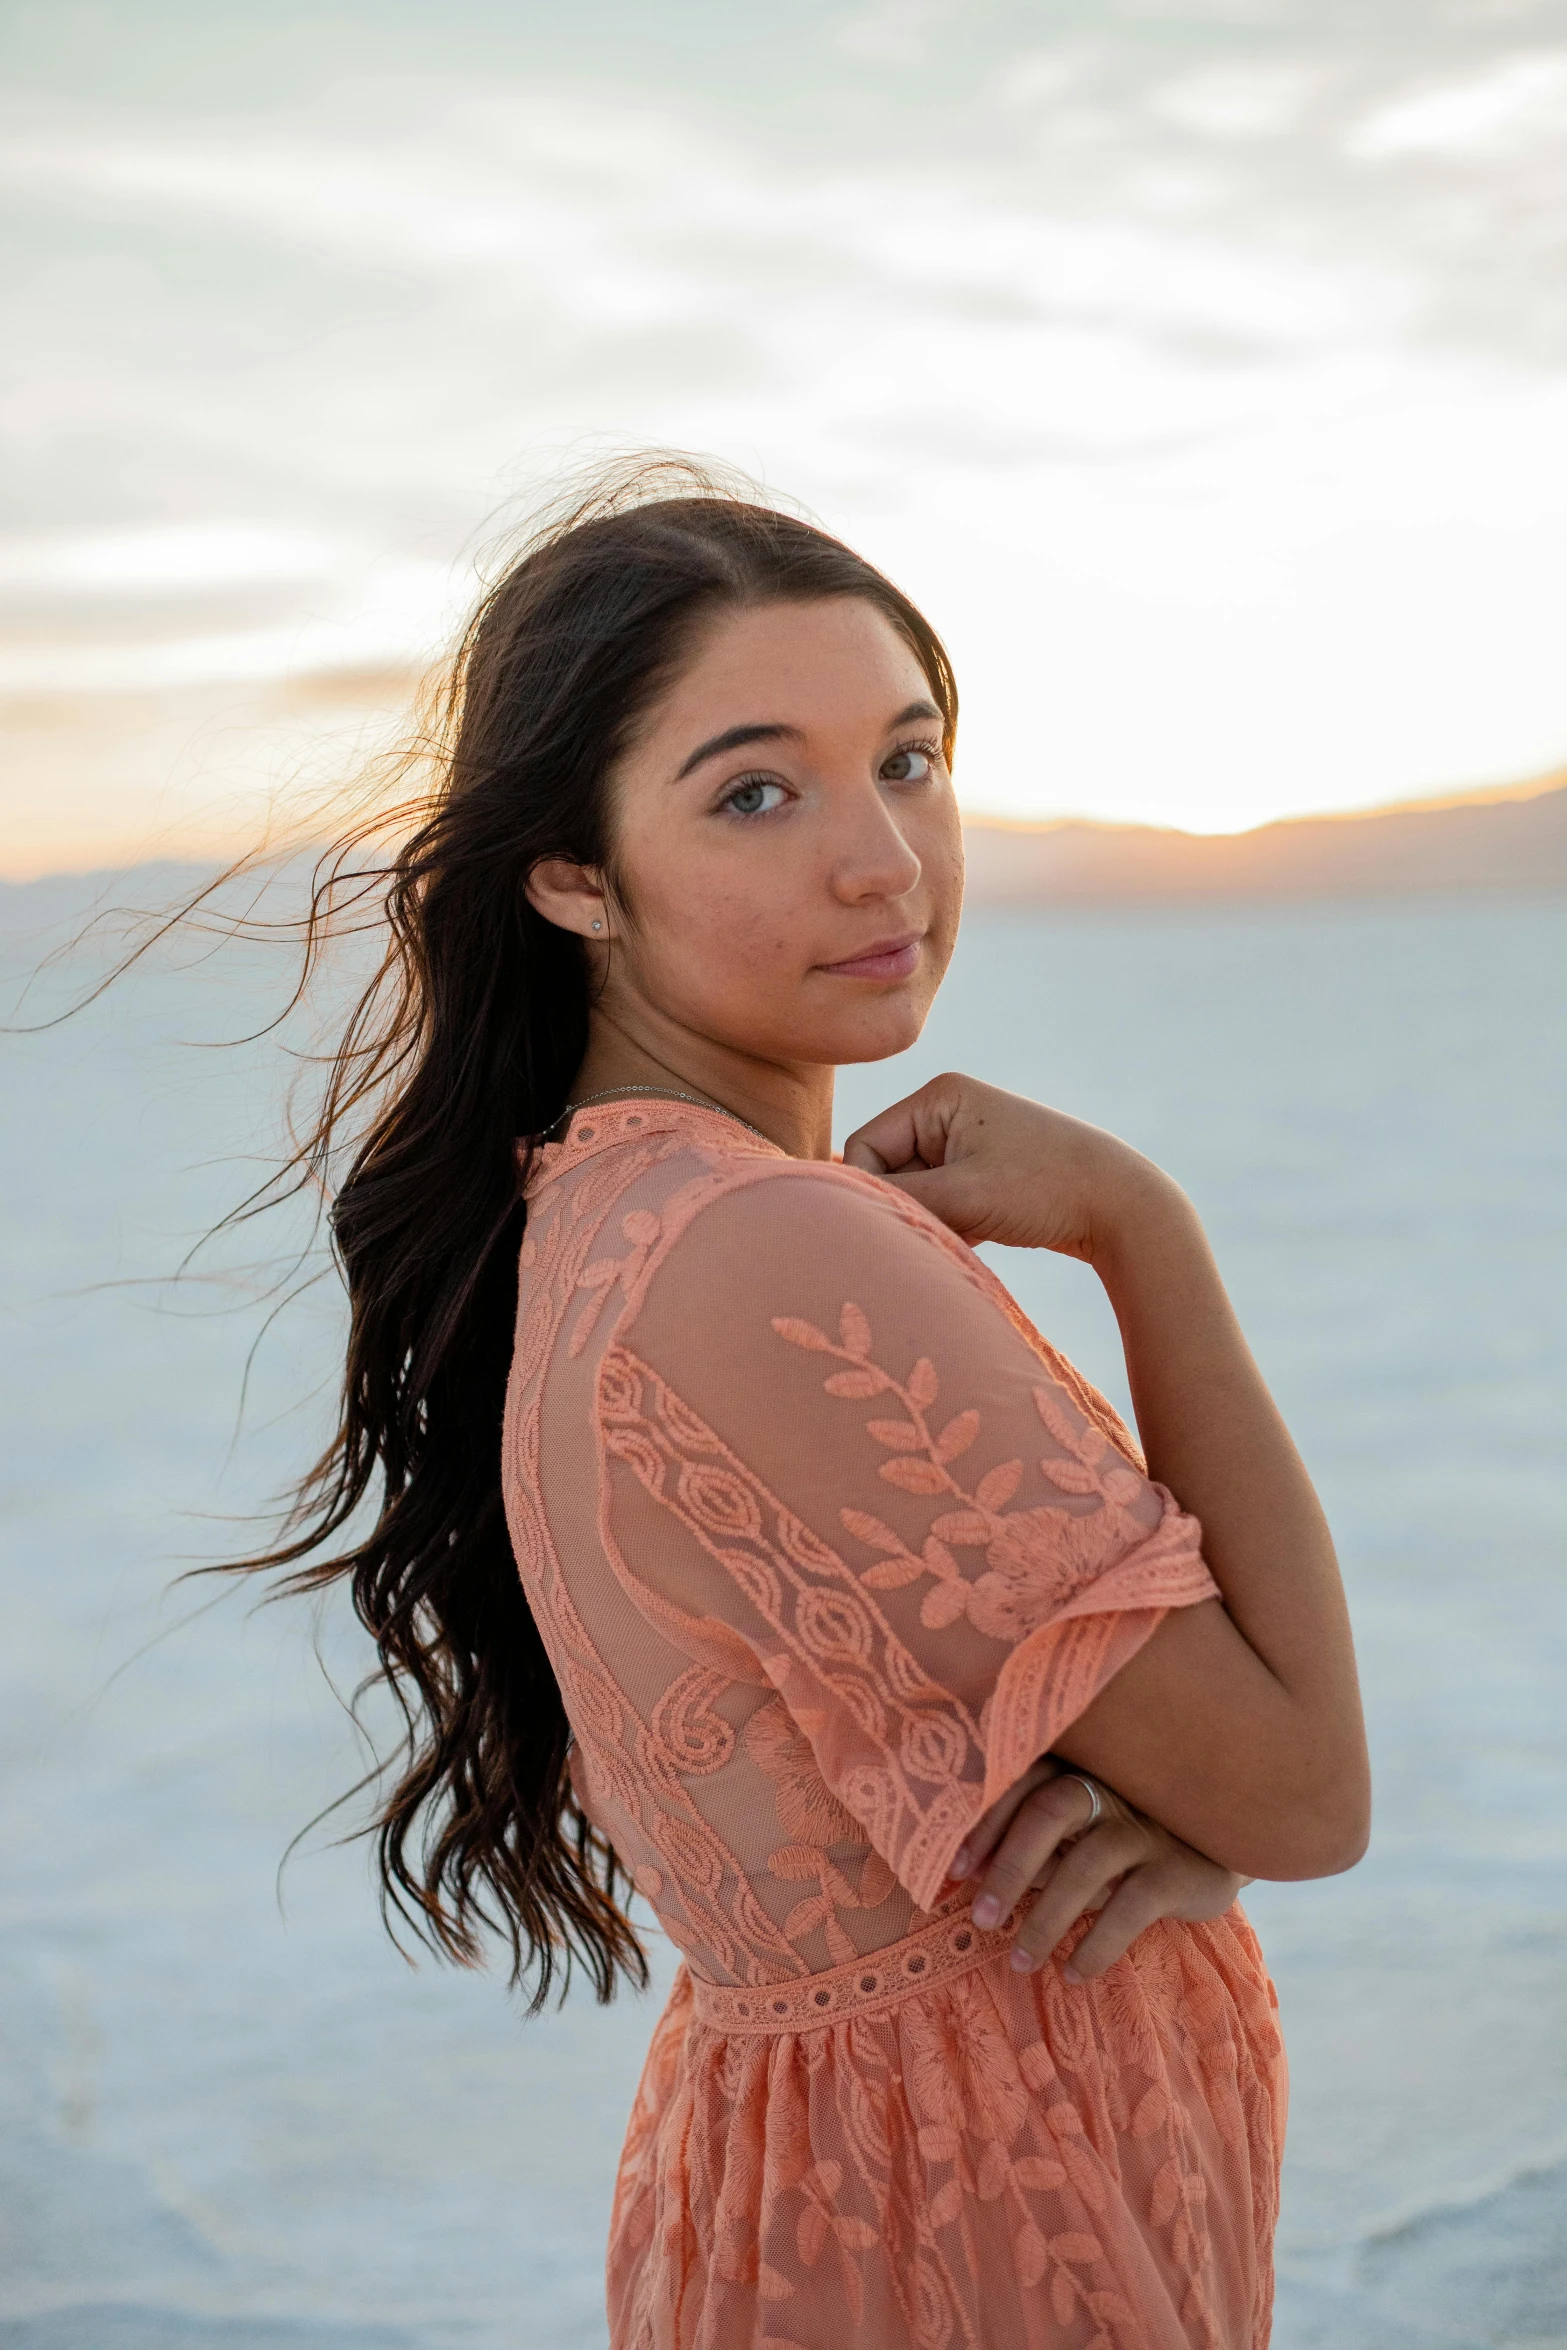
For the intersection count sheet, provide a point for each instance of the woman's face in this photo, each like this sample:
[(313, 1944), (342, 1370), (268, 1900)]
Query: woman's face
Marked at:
[(787, 844)]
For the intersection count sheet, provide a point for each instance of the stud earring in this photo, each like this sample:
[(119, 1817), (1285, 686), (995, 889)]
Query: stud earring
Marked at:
[(598, 925)]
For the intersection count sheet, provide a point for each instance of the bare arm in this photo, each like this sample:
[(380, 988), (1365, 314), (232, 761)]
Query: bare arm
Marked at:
[(1238, 1726)]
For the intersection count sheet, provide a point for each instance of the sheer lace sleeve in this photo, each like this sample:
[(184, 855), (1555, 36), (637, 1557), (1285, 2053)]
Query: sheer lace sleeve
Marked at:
[(835, 1463)]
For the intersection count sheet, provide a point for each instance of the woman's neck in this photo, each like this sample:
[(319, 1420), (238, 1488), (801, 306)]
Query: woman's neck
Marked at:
[(791, 1103)]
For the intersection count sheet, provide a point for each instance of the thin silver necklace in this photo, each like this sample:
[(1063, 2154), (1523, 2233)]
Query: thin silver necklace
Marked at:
[(667, 1093)]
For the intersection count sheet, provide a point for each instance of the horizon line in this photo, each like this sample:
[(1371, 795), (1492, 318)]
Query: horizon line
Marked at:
[(220, 850), (1485, 795)]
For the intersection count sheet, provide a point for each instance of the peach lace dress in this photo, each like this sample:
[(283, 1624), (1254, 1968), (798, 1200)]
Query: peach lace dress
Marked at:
[(827, 1544)]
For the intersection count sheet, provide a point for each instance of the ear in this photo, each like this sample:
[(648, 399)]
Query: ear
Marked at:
[(571, 896)]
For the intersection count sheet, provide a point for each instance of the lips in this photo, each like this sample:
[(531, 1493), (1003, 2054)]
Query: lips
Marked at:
[(887, 958)]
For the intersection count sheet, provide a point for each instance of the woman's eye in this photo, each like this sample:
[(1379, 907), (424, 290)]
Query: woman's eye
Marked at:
[(913, 764), (751, 799)]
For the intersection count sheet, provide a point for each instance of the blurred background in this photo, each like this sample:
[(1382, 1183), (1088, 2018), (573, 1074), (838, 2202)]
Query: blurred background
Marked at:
[(1203, 372)]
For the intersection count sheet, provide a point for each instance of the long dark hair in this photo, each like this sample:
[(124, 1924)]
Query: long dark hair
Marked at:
[(467, 1037)]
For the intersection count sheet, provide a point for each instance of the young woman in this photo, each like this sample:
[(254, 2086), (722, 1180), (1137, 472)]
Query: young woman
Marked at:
[(738, 1536)]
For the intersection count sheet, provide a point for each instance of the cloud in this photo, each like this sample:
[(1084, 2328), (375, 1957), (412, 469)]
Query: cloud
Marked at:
[(624, 226), (173, 559), (434, 212), (1122, 357), (1518, 99), (386, 615), (1240, 98), (895, 32)]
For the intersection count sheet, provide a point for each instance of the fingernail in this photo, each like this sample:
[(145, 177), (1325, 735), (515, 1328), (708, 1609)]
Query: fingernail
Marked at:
[(960, 1861), (986, 1910), (1070, 1974), (1023, 1961)]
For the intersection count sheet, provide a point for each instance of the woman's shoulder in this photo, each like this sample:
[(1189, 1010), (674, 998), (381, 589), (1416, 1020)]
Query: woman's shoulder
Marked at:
[(690, 1245), (799, 1247), (705, 1186), (768, 1209), (746, 1236)]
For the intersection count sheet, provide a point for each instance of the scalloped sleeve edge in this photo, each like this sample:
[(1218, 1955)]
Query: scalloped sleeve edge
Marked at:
[(1055, 1673)]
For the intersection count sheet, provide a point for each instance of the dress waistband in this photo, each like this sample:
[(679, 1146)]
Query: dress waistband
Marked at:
[(946, 1947)]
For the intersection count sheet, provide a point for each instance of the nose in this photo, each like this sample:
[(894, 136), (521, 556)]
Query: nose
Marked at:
[(871, 857)]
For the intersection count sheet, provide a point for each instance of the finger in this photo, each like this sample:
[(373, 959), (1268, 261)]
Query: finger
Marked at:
[(908, 1135), (1141, 1897), (988, 1829), (884, 1142), (958, 1197), (1048, 1814), (1081, 1877)]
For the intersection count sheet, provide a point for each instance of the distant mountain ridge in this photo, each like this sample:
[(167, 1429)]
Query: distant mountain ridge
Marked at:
[(1510, 841), (1503, 843)]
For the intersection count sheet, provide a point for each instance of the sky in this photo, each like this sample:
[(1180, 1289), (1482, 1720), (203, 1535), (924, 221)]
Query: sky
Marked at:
[(1202, 370)]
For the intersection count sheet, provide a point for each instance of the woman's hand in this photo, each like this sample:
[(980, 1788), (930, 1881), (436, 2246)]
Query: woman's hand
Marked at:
[(996, 1166), (1239, 1724), (1127, 1867)]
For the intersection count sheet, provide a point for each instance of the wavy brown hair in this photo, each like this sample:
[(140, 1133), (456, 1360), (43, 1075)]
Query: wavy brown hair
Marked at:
[(468, 1037)]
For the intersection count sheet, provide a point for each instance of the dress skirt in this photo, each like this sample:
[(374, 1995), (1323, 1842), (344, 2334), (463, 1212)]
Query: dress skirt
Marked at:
[(935, 2150)]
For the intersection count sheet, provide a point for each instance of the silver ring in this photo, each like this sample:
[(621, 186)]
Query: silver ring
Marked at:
[(1094, 1796)]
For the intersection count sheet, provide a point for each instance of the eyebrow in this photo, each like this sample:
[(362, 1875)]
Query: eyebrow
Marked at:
[(735, 737)]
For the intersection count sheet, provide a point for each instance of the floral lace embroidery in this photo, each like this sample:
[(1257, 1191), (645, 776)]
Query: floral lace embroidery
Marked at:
[(908, 1758), (943, 2155), (1036, 1558), (641, 1229), (1028, 2147), (641, 1791), (908, 1727), (812, 1814)]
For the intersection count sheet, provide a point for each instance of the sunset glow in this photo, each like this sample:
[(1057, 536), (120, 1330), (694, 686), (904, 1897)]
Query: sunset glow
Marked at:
[(1209, 391)]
